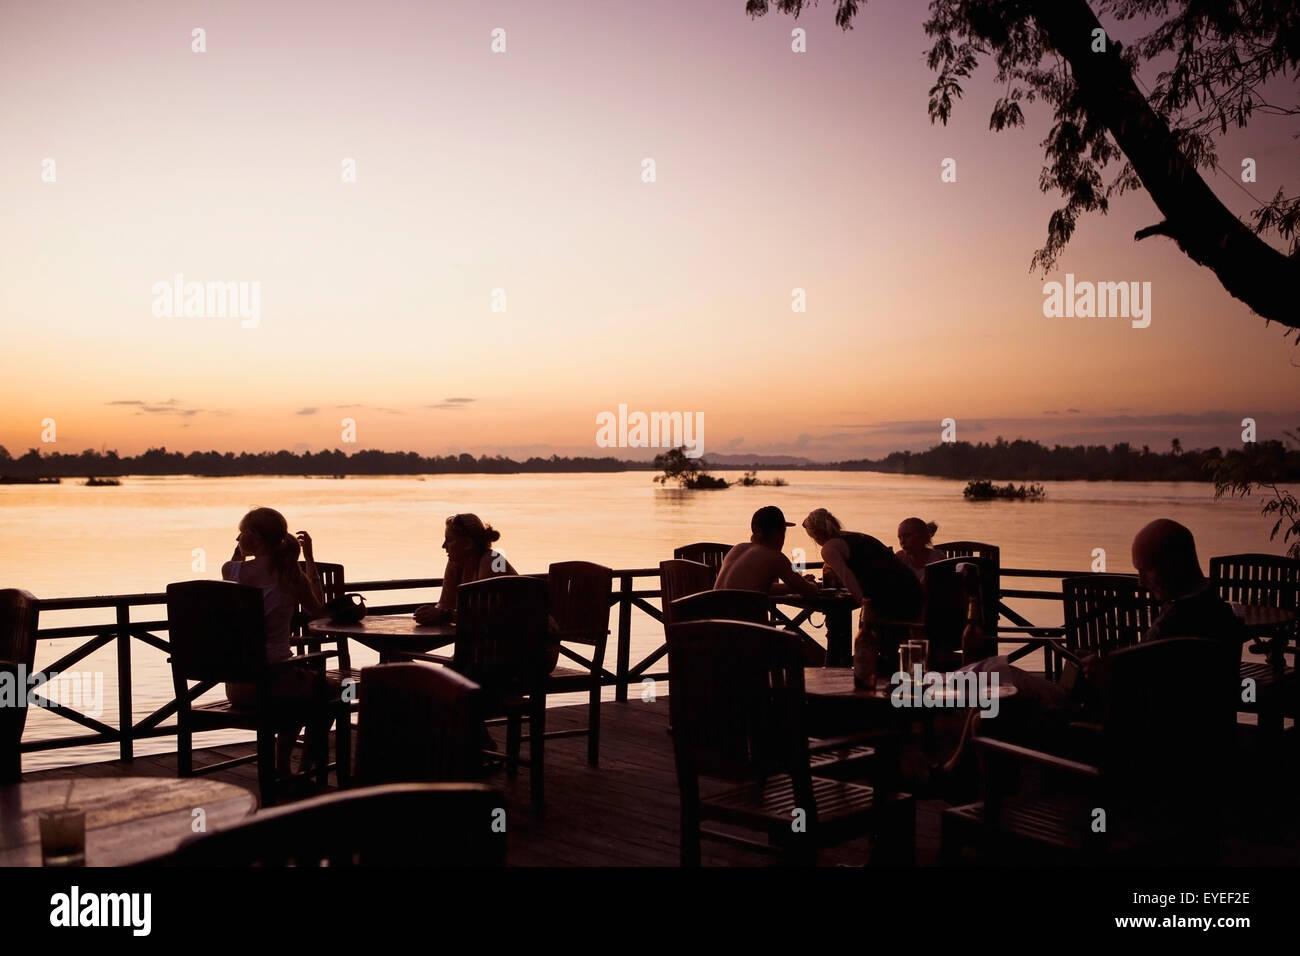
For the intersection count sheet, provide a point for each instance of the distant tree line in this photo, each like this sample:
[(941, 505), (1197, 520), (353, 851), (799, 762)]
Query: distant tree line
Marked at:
[(1018, 460), (1022, 460)]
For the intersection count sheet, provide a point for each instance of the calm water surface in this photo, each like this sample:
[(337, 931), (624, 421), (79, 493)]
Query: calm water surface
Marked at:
[(68, 540)]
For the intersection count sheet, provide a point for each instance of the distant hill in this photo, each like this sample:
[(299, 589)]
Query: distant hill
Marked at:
[(759, 461)]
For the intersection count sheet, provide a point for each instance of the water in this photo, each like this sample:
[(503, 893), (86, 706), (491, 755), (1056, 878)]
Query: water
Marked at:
[(68, 540)]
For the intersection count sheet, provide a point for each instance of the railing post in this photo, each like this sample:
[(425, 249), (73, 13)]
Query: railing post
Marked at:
[(125, 715), (624, 636)]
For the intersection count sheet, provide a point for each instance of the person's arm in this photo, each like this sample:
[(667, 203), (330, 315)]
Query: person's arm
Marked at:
[(792, 580), (312, 575), (836, 553), (442, 611)]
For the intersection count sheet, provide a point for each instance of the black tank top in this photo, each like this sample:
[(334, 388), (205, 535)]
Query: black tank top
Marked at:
[(894, 591)]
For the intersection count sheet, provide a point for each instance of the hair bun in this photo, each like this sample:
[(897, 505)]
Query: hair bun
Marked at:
[(491, 534), (931, 527)]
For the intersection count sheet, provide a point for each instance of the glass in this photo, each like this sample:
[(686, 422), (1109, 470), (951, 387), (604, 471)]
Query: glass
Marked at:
[(911, 658), (63, 837)]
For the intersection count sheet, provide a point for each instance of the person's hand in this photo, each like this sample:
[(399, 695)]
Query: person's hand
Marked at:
[(430, 614), (238, 555), (304, 539), (1089, 665)]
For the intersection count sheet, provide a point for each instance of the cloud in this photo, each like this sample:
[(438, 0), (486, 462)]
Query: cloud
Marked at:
[(460, 401), (169, 407), (736, 442), (1072, 411), (309, 410)]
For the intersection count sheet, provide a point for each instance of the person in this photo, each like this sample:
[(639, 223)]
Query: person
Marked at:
[(1164, 555), (914, 537), (760, 564), (470, 557), (266, 557), (867, 568)]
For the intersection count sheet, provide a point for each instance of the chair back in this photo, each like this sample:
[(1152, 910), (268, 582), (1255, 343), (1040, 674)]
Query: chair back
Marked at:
[(971, 549), (418, 724), (1105, 611), (217, 632), (331, 581), (1169, 719), (431, 824), (703, 552), (501, 634), (736, 709), (678, 578), (948, 586), (1262, 579), (724, 604), (578, 601), (18, 616)]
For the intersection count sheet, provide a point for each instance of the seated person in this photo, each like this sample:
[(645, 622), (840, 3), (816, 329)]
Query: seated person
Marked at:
[(1164, 554), (470, 557), (867, 568), (760, 564), (266, 557), (914, 537)]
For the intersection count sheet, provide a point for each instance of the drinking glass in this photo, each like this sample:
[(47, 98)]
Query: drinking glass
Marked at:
[(63, 837)]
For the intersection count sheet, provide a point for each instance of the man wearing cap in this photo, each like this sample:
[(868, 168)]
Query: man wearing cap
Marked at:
[(760, 564)]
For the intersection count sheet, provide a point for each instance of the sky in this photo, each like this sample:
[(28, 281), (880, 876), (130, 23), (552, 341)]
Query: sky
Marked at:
[(500, 273)]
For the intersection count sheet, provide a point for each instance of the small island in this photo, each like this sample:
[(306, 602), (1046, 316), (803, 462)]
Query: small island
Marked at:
[(987, 491)]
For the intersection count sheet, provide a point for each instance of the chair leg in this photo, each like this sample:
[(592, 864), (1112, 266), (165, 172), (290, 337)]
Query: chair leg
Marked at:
[(343, 747), (513, 735), (537, 751), (184, 751), (690, 835), (320, 744), (266, 781), (593, 727)]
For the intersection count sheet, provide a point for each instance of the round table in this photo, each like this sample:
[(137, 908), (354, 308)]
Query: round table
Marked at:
[(128, 819), (389, 634), (837, 605), (1263, 619)]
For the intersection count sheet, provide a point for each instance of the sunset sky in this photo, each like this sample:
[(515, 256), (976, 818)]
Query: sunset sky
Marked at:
[(521, 171)]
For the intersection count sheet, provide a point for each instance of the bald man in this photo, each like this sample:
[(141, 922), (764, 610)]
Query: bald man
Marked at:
[(1164, 554)]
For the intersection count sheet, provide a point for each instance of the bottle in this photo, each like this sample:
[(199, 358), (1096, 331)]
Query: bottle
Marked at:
[(866, 649), (974, 645)]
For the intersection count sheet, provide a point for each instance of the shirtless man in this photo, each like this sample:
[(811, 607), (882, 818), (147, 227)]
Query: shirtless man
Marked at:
[(759, 564)]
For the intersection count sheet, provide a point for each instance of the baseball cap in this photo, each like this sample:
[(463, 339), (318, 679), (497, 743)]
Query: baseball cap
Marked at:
[(767, 520)]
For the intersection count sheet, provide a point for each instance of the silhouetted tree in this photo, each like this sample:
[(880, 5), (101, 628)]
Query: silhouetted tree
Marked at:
[(1218, 55)]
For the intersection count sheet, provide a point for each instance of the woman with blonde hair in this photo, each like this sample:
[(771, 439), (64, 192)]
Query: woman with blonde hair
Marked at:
[(914, 537), (866, 567)]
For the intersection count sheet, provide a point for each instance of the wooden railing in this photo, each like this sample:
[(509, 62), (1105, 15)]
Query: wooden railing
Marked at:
[(123, 632)]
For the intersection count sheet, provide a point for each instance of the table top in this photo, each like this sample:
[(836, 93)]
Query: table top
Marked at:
[(128, 819), (1262, 617), (825, 597), (397, 626), (838, 682)]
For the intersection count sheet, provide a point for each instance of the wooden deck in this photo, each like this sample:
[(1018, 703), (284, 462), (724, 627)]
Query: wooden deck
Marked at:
[(624, 813)]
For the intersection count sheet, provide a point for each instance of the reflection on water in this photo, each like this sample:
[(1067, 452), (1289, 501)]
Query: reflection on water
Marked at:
[(69, 540)]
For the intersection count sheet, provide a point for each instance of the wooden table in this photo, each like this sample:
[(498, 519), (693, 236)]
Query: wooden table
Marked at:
[(389, 634), (1261, 619), (128, 819), (838, 607)]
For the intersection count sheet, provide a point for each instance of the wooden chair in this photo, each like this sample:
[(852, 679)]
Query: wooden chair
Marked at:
[(332, 583), (19, 611), (736, 713), (726, 604), (970, 549), (1267, 580), (579, 598), (431, 824), (502, 644), (1156, 789), (710, 553), (418, 724), (677, 579), (949, 584), (1105, 612), (218, 633)]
